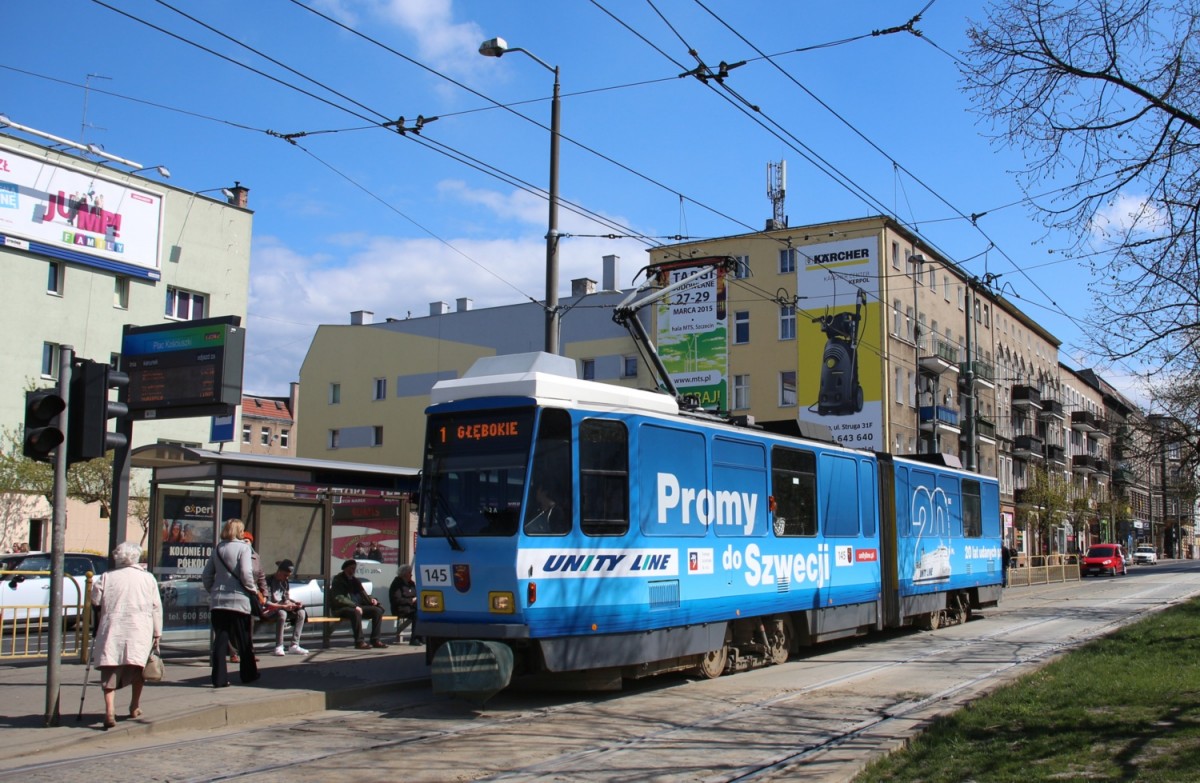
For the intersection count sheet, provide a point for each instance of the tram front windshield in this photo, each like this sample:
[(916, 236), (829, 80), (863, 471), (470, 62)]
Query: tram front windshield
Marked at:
[(475, 469)]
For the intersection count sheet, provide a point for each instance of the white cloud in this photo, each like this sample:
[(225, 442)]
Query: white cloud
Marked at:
[(441, 42), (1127, 213), (291, 292)]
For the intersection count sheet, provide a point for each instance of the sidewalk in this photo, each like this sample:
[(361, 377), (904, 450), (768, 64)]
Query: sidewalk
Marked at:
[(290, 685)]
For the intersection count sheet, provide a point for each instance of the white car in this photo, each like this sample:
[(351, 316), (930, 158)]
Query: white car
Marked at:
[(1145, 553), (188, 591), (24, 595)]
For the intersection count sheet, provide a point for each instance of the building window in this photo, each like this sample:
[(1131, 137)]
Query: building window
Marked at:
[(264, 436), (898, 391), (896, 318), (908, 324), (908, 264), (184, 305), (787, 261), (589, 369), (629, 366), (377, 436), (787, 388), (741, 392), (335, 394), (245, 433), (379, 391), (121, 293), (932, 279), (787, 322), (946, 287), (961, 304), (742, 270), (334, 438), (54, 278), (283, 438), (741, 327), (987, 318), (49, 360), (896, 255)]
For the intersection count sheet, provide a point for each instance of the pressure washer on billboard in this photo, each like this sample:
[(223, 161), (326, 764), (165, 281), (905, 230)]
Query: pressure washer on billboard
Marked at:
[(841, 394)]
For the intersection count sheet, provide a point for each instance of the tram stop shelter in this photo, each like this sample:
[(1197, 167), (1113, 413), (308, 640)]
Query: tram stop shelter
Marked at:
[(316, 513)]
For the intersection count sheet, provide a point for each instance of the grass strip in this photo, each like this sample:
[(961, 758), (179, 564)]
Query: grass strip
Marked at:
[(1124, 707)]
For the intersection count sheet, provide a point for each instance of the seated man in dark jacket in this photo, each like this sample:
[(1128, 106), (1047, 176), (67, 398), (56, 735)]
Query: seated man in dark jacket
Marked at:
[(403, 593), (349, 599)]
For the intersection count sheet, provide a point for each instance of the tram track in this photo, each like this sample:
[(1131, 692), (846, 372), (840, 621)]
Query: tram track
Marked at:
[(436, 727)]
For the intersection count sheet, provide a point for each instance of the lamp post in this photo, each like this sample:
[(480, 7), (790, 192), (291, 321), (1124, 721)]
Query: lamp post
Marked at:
[(497, 47)]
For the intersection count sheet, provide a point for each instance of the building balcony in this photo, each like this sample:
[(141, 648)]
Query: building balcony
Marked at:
[(985, 430), (1123, 476), (933, 416), (1051, 409), (982, 372), (1025, 498), (1086, 421), (1028, 447), (1056, 454), (1084, 463), (1102, 467), (1026, 397), (938, 356)]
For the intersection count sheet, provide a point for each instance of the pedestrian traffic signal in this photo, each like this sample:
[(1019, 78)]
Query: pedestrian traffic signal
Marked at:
[(43, 430), (88, 433)]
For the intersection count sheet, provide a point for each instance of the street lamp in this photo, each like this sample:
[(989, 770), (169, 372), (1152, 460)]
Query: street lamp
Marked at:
[(497, 47), (163, 171)]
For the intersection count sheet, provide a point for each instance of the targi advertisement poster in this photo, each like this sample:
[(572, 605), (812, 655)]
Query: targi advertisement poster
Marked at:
[(693, 335), (840, 383)]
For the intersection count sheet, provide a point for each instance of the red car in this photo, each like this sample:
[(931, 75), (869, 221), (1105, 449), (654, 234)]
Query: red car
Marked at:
[(1104, 559)]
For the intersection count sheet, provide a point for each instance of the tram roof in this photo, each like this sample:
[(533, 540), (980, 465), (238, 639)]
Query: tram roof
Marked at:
[(184, 464), (545, 377)]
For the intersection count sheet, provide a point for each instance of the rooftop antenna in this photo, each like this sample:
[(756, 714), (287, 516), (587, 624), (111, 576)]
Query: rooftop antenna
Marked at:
[(87, 84), (777, 191)]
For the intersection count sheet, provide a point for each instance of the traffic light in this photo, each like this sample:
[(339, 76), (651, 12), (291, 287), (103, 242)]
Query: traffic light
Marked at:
[(43, 432), (91, 409)]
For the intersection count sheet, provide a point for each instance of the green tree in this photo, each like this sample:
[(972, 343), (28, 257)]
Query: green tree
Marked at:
[(1044, 502)]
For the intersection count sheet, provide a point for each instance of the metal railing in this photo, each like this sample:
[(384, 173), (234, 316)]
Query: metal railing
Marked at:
[(25, 628), (1043, 569)]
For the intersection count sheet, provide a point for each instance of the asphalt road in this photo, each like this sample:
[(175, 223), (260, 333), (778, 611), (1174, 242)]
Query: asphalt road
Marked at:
[(819, 717)]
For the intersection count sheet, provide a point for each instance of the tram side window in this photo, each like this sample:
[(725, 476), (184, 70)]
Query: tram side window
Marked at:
[(794, 480), (972, 509), (841, 495), (603, 477), (548, 507)]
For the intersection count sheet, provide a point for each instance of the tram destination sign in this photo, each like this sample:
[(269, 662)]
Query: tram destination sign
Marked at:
[(185, 369)]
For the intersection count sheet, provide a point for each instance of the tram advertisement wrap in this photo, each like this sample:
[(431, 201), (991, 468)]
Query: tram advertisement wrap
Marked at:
[(838, 335)]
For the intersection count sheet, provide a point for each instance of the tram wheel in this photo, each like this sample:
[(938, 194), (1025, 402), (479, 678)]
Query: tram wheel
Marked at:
[(780, 638), (931, 621), (712, 665), (962, 609)]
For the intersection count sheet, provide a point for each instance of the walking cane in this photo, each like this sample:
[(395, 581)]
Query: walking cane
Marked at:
[(87, 624)]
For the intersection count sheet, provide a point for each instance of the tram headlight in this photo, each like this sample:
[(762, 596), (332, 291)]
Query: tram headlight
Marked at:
[(431, 601), (501, 603)]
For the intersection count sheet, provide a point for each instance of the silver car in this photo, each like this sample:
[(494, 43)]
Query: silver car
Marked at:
[(24, 595)]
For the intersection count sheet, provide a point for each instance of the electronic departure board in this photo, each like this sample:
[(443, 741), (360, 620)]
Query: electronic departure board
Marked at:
[(190, 368)]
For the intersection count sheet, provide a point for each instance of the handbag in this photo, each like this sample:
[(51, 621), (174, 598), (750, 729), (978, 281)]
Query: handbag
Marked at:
[(256, 598), (153, 670)]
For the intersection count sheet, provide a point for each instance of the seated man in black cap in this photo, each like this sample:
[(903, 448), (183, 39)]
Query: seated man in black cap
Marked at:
[(280, 607), (349, 599)]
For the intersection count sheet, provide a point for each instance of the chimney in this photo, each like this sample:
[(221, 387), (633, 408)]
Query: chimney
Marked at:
[(582, 286), (464, 304), (362, 318), (611, 274), (241, 195), (438, 308)]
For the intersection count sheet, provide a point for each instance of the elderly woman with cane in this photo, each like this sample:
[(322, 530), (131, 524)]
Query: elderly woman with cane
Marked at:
[(130, 627)]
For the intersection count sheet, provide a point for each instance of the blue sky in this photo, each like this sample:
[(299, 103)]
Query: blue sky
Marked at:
[(355, 217)]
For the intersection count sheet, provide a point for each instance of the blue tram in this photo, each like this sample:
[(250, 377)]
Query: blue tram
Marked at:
[(574, 526)]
